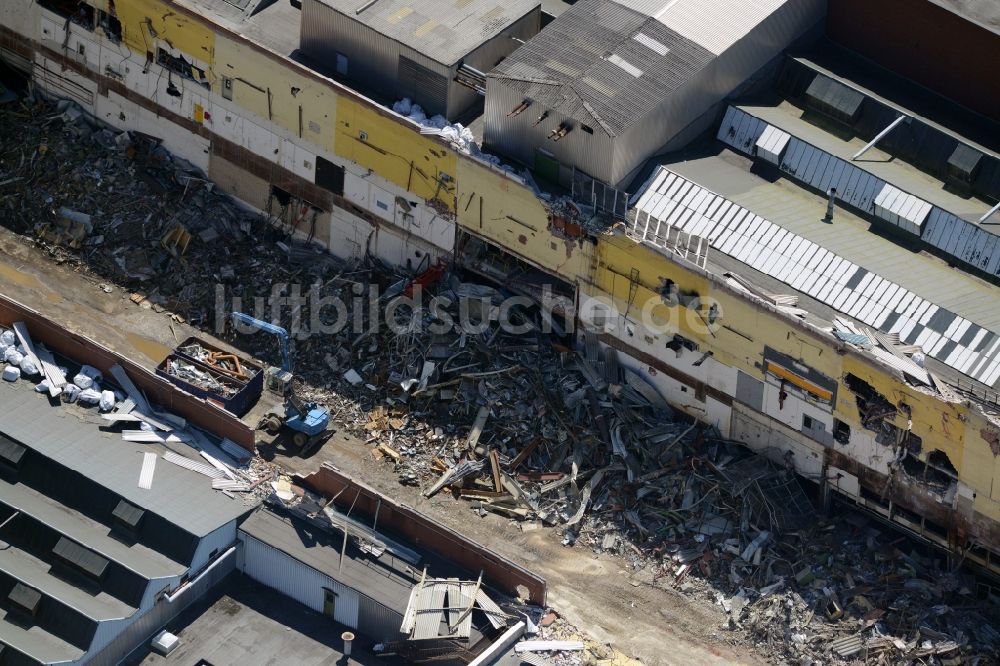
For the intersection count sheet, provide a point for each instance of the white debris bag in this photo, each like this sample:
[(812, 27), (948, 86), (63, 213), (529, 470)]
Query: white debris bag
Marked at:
[(107, 402), (70, 393), (28, 366), (42, 386), (11, 373), (92, 372), (89, 396), (8, 339), (83, 381), (13, 356)]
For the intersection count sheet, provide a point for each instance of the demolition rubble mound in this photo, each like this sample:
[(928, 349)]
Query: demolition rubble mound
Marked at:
[(519, 425)]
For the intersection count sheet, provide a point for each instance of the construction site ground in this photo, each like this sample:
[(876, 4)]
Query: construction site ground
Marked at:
[(597, 593)]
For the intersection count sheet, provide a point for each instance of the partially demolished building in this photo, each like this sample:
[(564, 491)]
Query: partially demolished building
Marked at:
[(819, 276)]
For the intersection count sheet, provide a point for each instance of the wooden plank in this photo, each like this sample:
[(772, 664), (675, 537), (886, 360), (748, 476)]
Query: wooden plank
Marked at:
[(525, 452), (477, 427), (495, 467), (21, 331)]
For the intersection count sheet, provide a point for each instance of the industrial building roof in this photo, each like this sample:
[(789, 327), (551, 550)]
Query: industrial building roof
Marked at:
[(779, 233), (76, 438), (712, 24), (603, 64), (383, 580), (444, 30), (36, 643)]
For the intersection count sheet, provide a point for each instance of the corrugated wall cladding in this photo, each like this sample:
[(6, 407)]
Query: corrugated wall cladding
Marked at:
[(271, 567), (518, 137), (378, 621), (966, 241)]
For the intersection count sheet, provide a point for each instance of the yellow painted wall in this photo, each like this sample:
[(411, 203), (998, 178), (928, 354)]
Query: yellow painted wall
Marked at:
[(170, 25), (396, 151), (256, 76), (508, 213)]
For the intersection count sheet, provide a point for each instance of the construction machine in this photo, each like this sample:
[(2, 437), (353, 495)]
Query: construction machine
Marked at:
[(305, 424)]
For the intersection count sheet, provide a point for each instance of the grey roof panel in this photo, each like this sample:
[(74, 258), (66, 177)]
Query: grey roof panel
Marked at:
[(73, 438), (443, 30), (138, 558), (574, 66)]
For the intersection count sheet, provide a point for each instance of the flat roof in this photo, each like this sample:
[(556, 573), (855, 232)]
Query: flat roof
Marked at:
[(444, 30), (789, 117), (78, 439), (241, 622), (381, 579), (604, 64), (276, 26), (801, 211)]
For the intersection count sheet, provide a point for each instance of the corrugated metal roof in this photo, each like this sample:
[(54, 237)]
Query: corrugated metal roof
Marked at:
[(713, 24), (603, 64), (670, 204), (66, 436), (444, 30)]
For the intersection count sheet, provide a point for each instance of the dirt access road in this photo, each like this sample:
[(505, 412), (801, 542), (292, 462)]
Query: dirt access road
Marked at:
[(598, 594)]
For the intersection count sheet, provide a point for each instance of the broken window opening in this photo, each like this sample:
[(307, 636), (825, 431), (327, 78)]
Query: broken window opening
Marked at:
[(109, 23), (77, 12), (937, 473), (841, 432), (180, 66), (873, 407)]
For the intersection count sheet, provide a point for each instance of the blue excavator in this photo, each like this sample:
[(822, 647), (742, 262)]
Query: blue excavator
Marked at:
[(304, 423)]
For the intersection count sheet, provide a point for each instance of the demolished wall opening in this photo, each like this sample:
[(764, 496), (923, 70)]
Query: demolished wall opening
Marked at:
[(78, 12), (937, 473), (873, 409)]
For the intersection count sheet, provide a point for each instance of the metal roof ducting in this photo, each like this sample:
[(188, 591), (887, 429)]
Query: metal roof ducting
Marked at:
[(80, 558), (963, 165), (834, 99), (25, 598), (128, 515), (11, 452)]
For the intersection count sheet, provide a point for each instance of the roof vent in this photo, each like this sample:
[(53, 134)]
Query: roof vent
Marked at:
[(128, 516), (834, 100), (11, 453), (963, 165), (25, 598), (80, 558)]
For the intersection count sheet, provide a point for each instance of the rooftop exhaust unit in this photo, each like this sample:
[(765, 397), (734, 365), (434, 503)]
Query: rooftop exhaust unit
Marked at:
[(963, 165), (834, 100)]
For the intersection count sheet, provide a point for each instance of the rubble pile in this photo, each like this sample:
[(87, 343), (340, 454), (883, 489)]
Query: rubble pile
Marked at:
[(138, 216), (518, 424)]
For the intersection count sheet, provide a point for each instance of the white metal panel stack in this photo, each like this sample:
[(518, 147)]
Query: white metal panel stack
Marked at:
[(901, 209), (672, 202)]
